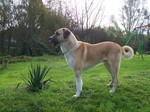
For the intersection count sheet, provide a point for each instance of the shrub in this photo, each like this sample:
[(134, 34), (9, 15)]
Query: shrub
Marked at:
[(35, 81), (16, 59), (20, 59)]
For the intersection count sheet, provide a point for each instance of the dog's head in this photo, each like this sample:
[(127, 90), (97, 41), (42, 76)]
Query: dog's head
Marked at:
[(61, 35)]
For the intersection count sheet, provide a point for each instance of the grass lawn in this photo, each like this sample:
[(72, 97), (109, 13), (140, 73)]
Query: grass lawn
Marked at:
[(132, 95)]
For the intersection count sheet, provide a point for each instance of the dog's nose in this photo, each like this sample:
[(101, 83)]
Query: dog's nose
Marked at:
[(51, 39)]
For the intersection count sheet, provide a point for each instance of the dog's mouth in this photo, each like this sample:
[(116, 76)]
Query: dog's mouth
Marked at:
[(54, 40)]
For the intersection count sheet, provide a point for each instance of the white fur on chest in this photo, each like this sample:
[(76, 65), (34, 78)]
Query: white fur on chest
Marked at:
[(70, 60)]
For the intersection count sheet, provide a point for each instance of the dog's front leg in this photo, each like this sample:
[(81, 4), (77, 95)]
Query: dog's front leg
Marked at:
[(78, 86)]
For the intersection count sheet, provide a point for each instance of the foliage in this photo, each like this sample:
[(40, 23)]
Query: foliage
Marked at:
[(35, 81), (99, 34), (147, 46), (28, 22), (26, 26), (16, 58)]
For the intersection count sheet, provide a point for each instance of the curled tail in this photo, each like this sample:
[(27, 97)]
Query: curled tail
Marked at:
[(127, 52)]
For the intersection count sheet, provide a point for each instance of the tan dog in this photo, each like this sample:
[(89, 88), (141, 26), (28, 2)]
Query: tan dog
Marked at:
[(81, 56)]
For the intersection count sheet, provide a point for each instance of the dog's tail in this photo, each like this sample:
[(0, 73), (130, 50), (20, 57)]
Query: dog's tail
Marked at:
[(127, 52)]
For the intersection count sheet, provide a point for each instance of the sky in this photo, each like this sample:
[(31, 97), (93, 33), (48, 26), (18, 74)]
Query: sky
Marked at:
[(111, 7)]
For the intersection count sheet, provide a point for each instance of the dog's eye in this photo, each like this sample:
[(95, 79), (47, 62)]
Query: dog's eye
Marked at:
[(57, 33)]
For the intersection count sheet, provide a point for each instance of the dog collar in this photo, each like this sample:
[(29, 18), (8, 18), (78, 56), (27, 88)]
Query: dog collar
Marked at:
[(70, 48)]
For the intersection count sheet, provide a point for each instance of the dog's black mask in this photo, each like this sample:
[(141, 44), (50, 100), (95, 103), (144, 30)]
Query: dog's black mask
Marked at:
[(54, 40)]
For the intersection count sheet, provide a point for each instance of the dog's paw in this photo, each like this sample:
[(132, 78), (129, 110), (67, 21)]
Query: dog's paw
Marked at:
[(109, 85), (112, 91), (76, 96)]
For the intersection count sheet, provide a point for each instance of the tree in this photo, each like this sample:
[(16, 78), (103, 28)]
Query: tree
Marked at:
[(83, 17), (132, 14), (6, 23)]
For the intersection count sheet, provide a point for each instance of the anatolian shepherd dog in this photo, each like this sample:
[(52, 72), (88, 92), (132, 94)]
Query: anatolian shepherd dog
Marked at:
[(81, 56)]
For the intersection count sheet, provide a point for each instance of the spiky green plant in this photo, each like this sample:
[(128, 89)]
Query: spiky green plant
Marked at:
[(35, 81)]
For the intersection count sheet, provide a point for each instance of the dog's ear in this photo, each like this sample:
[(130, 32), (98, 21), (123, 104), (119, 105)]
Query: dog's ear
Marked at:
[(66, 33)]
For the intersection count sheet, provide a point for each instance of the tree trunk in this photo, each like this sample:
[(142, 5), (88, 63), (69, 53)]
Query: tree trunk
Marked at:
[(9, 41), (2, 43), (5, 63)]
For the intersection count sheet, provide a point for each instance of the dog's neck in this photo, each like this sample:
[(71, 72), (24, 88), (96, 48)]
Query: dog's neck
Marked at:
[(67, 46)]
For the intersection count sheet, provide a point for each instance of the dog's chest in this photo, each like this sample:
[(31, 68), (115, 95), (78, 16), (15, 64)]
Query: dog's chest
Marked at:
[(70, 60)]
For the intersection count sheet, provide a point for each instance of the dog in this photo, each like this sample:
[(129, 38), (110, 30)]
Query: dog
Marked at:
[(81, 56)]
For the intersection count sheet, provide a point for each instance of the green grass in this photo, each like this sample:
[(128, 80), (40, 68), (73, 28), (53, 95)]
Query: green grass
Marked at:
[(132, 95)]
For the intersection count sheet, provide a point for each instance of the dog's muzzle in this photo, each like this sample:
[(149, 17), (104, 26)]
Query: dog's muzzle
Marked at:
[(53, 39), (50, 39)]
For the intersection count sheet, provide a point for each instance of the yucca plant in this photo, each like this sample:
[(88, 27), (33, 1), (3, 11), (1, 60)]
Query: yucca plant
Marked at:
[(35, 81)]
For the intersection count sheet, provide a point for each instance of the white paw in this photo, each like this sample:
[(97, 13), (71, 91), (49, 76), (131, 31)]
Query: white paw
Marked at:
[(112, 91), (109, 85), (76, 96)]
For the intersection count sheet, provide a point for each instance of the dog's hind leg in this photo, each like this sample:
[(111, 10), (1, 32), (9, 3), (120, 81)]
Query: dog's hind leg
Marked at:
[(79, 84), (115, 65), (107, 65)]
